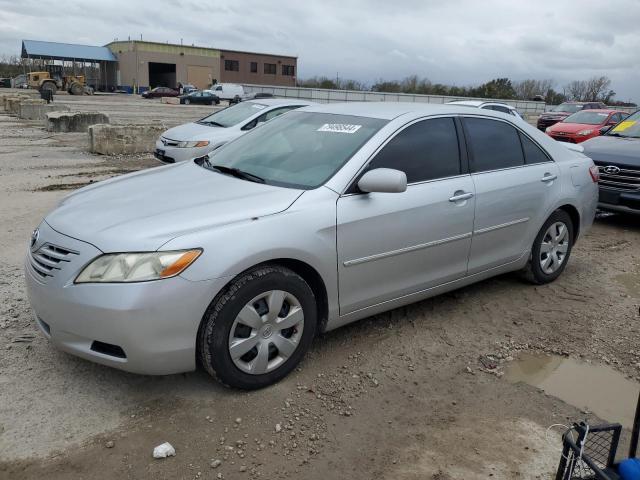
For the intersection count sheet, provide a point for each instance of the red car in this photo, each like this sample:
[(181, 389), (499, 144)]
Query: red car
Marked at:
[(160, 92), (585, 124)]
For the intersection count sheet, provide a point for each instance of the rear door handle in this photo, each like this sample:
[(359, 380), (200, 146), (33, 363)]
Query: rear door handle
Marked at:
[(460, 197), (548, 177)]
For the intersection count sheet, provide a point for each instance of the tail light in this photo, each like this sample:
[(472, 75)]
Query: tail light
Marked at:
[(595, 173)]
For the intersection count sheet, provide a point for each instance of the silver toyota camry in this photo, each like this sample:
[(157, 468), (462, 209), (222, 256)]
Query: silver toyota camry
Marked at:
[(318, 218)]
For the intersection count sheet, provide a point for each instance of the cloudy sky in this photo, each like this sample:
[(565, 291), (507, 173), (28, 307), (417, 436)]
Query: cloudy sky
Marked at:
[(462, 42)]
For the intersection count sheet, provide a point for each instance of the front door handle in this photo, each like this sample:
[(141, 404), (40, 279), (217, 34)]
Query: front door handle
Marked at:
[(458, 197), (548, 177)]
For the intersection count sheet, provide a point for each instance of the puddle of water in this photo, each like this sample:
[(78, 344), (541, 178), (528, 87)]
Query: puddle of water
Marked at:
[(596, 388), (631, 282)]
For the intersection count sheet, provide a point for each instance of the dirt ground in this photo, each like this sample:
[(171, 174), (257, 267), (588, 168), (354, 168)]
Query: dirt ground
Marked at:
[(401, 395)]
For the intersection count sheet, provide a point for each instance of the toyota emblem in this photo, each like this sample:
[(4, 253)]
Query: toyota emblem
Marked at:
[(611, 170), (34, 237)]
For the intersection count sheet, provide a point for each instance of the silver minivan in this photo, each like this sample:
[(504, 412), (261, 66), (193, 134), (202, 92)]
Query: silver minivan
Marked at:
[(323, 216)]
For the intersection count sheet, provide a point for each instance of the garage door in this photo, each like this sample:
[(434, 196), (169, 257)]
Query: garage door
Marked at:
[(199, 76)]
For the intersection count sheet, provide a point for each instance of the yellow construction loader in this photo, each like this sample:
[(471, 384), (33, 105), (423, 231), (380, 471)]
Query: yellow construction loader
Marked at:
[(54, 79)]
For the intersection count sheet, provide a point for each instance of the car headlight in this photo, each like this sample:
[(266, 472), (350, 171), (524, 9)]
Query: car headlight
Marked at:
[(547, 130), (195, 143), (137, 267), (585, 132)]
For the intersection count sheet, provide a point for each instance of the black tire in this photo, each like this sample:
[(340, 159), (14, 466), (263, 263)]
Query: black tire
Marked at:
[(187, 101), (215, 328), (534, 272), (76, 89), (50, 86)]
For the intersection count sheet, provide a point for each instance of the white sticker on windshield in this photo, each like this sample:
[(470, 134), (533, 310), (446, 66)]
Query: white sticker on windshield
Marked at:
[(258, 106), (339, 128)]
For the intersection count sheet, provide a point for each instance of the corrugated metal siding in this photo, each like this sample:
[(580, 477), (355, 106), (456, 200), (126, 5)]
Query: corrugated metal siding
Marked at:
[(66, 51)]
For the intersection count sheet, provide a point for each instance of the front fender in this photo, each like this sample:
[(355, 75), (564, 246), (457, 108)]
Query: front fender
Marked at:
[(305, 232)]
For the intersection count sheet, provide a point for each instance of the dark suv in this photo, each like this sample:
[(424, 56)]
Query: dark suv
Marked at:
[(617, 155), (562, 111)]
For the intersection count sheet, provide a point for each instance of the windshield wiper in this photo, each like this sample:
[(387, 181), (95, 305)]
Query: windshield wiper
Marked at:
[(236, 172), (615, 134), (215, 124)]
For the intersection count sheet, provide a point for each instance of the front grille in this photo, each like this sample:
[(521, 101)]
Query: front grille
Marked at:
[(48, 259), (625, 180), (543, 123), (563, 139)]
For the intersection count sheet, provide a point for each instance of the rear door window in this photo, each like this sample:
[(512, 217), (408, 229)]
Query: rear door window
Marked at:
[(425, 150), (493, 144)]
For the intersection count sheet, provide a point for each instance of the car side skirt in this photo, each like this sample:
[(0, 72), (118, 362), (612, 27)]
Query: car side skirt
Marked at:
[(517, 264)]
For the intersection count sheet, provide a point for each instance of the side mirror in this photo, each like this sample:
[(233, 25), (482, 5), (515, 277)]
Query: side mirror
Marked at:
[(383, 180), (605, 129)]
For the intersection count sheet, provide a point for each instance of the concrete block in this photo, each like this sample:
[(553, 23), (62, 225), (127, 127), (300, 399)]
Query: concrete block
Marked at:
[(170, 100), (32, 110), (11, 104), (5, 97), (123, 139), (74, 121)]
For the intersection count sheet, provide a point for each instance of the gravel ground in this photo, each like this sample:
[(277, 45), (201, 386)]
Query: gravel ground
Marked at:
[(400, 395)]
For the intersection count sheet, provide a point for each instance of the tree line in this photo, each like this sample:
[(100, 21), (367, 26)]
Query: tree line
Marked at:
[(590, 90)]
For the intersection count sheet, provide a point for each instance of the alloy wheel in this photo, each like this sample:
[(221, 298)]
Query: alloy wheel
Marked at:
[(266, 332), (554, 247)]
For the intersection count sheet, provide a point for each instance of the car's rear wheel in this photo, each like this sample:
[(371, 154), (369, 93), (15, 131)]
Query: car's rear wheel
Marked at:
[(258, 329), (551, 249), (187, 101)]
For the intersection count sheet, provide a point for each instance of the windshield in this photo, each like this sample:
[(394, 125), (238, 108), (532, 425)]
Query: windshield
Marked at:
[(233, 115), (587, 117), (567, 107), (299, 149), (629, 127)]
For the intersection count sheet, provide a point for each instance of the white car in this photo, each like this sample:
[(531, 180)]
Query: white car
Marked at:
[(496, 106), (196, 139), (228, 91)]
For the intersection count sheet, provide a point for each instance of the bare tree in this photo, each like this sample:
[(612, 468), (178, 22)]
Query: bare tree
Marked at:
[(576, 90), (597, 88), (528, 89)]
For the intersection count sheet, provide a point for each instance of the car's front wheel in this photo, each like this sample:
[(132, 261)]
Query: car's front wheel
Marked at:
[(551, 249), (187, 101), (258, 329)]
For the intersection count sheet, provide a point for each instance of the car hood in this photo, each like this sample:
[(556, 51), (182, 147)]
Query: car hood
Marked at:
[(606, 149), (144, 210), (555, 114), (193, 131), (573, 127)]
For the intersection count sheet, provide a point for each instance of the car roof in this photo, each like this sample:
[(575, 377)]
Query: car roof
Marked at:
[(391, 110), (272, 102), (602, 110), (479, 103), (470, 103)]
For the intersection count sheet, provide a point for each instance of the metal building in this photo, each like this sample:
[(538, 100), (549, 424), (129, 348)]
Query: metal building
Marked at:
[(97, 64), (143, 65)]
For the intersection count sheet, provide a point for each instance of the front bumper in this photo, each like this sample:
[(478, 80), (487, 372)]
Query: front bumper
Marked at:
[(544, 123), (170, 154), (619, 201), (146, 327)]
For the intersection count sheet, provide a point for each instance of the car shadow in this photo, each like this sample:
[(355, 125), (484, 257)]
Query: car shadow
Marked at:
[(628, 221)]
